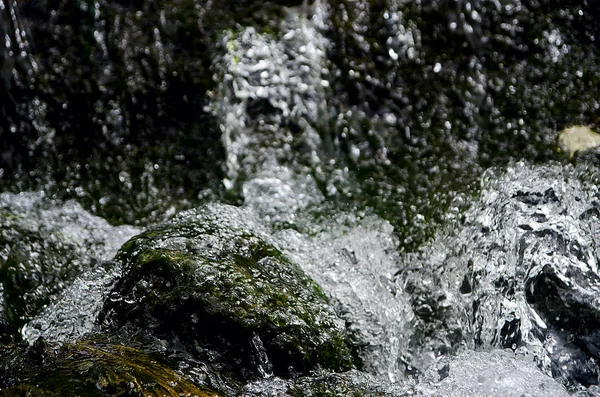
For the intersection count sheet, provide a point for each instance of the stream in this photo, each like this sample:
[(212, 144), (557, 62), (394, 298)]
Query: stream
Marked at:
[(299, 198)]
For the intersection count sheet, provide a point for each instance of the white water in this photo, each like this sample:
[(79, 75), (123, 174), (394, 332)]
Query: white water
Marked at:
[(352, 256), (93, 242)]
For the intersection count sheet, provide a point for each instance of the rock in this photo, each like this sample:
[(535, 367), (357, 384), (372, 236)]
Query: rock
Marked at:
[(566, 297), (43, 247), (33, 267), (92, 369), (211, 281)]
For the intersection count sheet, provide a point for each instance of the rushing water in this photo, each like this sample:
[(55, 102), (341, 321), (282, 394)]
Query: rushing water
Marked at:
[(373, 143)]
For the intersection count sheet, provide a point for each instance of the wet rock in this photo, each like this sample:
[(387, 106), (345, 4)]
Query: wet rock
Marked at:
[(527, 251), (210, 281), (91, 369), (43, 247), (32, 269), (567, 299)]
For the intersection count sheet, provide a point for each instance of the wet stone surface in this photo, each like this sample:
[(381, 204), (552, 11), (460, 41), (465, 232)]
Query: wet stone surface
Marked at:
[(90, 368), (43, 248), (213, 284)]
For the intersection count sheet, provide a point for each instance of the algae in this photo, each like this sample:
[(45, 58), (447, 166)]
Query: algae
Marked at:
[(90, 368)]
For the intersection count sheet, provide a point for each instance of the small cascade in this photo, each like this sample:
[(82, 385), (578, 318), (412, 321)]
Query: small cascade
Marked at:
[(508, 274), (271, 95)]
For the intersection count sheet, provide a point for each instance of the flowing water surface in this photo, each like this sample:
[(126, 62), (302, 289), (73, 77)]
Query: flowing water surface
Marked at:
[(403, 154)]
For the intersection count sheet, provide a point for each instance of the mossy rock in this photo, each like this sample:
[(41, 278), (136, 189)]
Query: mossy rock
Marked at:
[(34, 266), (211, 281), (90, 369), (44, 246)]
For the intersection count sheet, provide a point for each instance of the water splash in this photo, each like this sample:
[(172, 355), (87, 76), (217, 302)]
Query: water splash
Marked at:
[(497, 373), (85, 243), (272, 95), (506, 272), (353, 258)]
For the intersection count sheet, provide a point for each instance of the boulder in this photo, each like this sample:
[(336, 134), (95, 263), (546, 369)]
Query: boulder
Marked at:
[(44, 246), (210, 281)]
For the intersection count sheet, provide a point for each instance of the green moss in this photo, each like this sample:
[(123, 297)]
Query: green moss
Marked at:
[(95, 369)]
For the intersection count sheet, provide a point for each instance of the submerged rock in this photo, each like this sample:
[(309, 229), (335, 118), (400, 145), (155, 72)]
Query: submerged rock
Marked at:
[(91, 369), (43, 247), (210, 281), (517, 270)]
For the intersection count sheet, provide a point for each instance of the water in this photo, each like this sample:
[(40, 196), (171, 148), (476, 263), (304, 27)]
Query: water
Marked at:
[(272, 96), (496, 373), (48, 247), (492, 280), (357, 137)]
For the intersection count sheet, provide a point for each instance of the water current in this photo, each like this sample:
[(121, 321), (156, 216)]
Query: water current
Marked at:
[(403, 154)]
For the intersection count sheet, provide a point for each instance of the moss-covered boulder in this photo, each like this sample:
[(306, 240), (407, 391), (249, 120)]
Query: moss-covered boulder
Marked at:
[(90, 369), (211, 281)]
